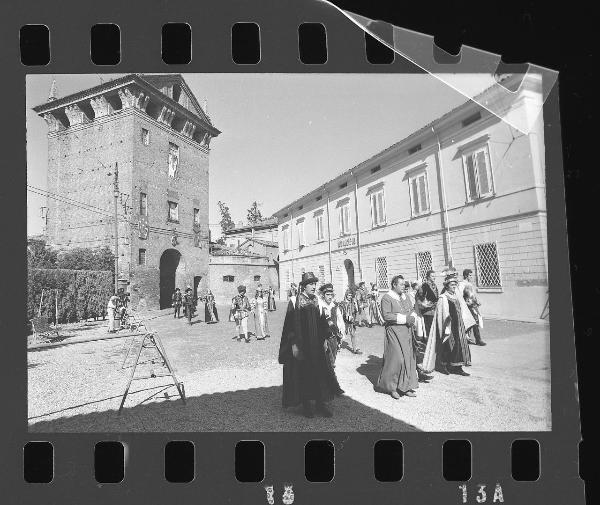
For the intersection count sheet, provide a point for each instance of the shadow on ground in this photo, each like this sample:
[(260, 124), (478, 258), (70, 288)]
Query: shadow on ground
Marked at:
[(257, 409), (371, 368)]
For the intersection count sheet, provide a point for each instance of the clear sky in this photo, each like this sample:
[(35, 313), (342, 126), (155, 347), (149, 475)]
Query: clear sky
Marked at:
[(282, 134)]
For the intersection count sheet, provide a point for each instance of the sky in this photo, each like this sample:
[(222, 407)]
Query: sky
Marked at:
[(282, 134)]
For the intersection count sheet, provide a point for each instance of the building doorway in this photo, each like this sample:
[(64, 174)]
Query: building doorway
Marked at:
[(197, 280), (169, 263), (349, 266)]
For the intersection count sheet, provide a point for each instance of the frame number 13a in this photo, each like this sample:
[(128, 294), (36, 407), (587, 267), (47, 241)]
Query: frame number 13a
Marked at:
[(481, 496)]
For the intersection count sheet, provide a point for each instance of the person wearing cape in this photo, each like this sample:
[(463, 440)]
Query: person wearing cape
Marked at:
[(447, 348), (306, 375), (210, 309)]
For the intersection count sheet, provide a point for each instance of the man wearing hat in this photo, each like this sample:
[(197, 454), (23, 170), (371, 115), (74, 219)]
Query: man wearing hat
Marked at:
[(308, 346), (426, 299), (240, 307), (333, 334), (189, 304), (176, 301)]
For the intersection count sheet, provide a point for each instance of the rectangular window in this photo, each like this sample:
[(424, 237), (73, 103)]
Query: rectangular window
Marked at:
[(142, 257), (419, 193), (173, 212), (257, 277), (319, 227), (286, 238), (228, 278), (414, 149), (487, 265), (381, 273), (344, 219), (471, 119), (173, 159), (197, 217), (300, 229), (478, 173), (322, 274), (143, 204), (378, 208), (145, 137), (424, 264)]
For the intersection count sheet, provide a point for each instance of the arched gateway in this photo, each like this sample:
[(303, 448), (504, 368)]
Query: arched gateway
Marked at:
[(171, 273)]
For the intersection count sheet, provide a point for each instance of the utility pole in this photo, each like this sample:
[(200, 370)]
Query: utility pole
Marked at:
[(116, 195)]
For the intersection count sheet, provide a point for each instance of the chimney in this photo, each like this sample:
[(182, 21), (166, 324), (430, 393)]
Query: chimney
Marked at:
[(53, 92)]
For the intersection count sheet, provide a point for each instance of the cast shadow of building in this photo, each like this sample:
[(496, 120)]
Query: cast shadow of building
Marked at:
[(250, 410)]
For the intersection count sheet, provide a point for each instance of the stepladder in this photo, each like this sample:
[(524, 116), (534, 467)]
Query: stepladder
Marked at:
[(150, 362)]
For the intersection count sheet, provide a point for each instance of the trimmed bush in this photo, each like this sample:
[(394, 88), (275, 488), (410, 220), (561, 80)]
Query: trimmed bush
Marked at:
[(82, 294)]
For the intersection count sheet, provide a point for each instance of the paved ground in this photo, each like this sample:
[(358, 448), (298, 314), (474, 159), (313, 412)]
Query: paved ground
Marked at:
[(235, 386)]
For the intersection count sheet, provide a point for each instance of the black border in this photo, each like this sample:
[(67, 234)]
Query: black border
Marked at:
[(141, 23)]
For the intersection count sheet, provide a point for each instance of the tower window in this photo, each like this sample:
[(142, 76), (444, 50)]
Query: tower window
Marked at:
[(142, 257), (173, 159), (143, 204), (173, 212), (145, 137)]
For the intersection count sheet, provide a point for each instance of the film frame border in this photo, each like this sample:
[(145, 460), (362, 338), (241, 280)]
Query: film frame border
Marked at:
[(279, 25)]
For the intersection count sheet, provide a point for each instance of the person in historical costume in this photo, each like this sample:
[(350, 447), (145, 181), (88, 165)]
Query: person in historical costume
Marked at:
[(399, 371), (210, 309), (468, 290), (291, 365), (334, 324), (426, 300), (293, 291), (176, 302), (375, 316), (447, 346), (258, 306), (349, 310), (240, 307), (189, 304), (362, 302), (271, 299), (111, 308), (306, 341)]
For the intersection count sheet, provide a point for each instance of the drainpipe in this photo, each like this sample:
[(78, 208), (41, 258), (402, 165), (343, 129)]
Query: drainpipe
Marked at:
[(291, 228), (357, 225), (329, 241), (446, 221)]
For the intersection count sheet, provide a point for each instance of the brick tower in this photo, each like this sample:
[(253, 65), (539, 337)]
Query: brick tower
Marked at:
[(153, 129)]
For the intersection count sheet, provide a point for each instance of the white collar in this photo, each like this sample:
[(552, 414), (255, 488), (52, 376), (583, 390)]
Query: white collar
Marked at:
[(396, 296)]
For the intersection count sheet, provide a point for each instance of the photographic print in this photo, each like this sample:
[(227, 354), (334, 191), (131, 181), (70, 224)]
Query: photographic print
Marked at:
[(285, 252)]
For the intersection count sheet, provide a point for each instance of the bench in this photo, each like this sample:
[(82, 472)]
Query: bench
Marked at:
[(42, 329)]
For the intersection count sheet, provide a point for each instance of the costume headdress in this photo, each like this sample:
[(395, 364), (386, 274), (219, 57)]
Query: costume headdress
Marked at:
[(308, 278)]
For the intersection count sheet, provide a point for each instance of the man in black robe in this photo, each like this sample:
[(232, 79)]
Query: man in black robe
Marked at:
[(306, 376), (427, 297)]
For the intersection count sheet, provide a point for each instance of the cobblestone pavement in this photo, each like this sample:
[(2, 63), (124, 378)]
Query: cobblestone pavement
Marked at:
[(236, 386)]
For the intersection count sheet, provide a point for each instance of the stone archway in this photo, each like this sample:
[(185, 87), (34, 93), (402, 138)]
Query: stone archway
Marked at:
[(170, 268)]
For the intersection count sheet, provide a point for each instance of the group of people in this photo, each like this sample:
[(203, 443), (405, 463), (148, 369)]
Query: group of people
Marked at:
[(189, 303), (425, 330), (242, 308)]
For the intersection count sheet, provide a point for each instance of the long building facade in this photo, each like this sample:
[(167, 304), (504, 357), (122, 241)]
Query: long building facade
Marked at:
[(467, 190), (151, 129)]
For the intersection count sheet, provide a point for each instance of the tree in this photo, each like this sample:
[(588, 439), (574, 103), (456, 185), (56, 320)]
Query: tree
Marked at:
[(226, 221), (39, 255), (254, 215), (82, 258)]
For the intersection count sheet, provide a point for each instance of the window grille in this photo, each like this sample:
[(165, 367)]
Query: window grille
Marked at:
[(381, 273), (142, 257), (487, 265), (322, 274), (424, 264)]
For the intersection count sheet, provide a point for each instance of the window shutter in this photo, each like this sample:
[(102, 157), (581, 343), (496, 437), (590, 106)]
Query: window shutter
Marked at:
[(482, 172), (415, 196), (472, 183)]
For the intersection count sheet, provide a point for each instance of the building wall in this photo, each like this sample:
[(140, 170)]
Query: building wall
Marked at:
[(189, 189), (80, 159), (514, 216), (243, 270)]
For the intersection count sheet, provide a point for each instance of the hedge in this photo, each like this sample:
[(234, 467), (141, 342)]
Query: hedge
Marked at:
[(82, 294)]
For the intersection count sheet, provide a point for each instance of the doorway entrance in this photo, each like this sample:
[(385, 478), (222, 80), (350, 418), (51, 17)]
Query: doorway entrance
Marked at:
[(197, 280), (169, 263), (349, 266)]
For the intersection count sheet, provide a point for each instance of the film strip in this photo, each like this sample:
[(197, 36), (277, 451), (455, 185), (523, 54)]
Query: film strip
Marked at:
[(215, 431)]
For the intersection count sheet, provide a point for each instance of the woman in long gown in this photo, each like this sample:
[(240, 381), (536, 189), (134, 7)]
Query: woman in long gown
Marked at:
[(210, 309), (447, 345), (375, 316)]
